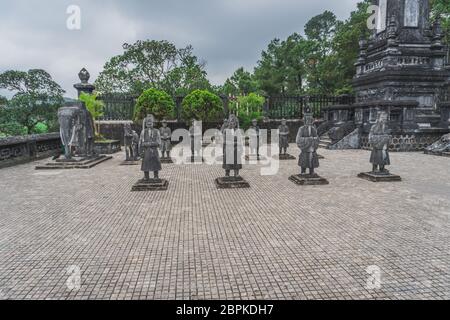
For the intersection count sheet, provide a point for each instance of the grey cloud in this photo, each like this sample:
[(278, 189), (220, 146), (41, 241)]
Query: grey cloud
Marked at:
[(226, 33)]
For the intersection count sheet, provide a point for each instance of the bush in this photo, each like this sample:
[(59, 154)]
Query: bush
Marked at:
[(156, 102), (40, 128), (248, 108), (202, 105)]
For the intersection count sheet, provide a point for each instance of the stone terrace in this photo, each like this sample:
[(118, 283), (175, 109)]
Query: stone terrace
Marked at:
[(275, 240)]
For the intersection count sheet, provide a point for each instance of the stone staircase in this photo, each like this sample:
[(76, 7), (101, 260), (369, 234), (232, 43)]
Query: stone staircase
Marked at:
[(325, 141)]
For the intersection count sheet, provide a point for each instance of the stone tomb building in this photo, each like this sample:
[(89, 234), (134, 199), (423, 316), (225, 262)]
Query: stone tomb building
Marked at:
[(402, 70)]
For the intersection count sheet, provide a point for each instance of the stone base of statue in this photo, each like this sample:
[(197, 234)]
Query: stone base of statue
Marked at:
[(74, 163), (308, 180), (151, 185), (232, 183), (194, 159), (130, 163), (284, 157), (379, 177), (166, 160), (254, 157)]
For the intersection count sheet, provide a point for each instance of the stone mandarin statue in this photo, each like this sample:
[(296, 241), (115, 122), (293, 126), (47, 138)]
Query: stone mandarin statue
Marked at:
[(149, 143), (254, 133), (283, 130), (308, 142), (232, 147), (131, 141), (166, 140), (380, 138)]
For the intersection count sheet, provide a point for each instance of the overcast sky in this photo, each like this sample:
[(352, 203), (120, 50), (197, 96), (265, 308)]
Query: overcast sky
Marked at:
[(226, 33)]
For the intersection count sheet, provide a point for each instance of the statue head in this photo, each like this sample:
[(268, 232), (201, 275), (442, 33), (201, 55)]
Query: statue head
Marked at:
[(127, 127), (164, 123), (84, 75), (149, 121), (308, 119), (283, 122), (254, 122), (233, 122), (382, 117)]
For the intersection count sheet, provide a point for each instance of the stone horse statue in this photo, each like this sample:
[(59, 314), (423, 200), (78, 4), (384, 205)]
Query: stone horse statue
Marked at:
[(76, 130)]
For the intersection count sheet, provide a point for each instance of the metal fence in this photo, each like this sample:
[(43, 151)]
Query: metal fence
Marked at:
[(121, 107), (293, 107)]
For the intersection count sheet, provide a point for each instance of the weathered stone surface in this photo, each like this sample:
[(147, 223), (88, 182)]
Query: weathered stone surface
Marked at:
[(231, 183), (107, 147), (166, 160), (151, 185), (284, 157), (74, 163), (351, 141), (441, 147), (130, 163), (371, 176), (308, 180)]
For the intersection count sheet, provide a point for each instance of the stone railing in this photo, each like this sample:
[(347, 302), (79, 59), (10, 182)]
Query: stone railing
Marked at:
[(17, 150)]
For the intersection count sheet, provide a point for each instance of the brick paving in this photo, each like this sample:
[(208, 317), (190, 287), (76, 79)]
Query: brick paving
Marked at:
[(275, 240)]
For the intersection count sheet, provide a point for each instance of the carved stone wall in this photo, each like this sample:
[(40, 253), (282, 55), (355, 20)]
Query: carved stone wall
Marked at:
[(17, 150), (407, 142)]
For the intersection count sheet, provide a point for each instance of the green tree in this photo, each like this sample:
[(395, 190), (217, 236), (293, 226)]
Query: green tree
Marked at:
[(441, 8), (95, 108), (152, 64), (36, 98), (241, 82), (247, 108), (156, 102), (202, 105)]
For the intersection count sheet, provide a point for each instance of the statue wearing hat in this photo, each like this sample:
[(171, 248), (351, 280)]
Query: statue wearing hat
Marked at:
[(166, 140), (149, 143), (308, 142)]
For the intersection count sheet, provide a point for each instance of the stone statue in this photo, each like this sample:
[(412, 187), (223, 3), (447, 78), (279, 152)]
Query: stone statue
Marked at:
[(232, 147), (254, 132), (308, 142), (131, 141), (283, 130), (380, 138), (224, 125), (195, 133), (149, 143), (166, 139), (76, 130)]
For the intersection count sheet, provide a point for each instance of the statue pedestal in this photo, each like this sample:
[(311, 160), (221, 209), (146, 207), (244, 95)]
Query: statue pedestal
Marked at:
[(74, 163), (151, 185), (254, 157), (284, 157), (232, 183), (308, 180), (379, 177), (131, 163), (166, 160), (194, 159), (320, 157)]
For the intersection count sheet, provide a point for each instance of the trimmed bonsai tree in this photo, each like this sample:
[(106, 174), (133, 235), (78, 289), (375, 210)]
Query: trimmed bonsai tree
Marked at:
[(202, 105), (156, 102)]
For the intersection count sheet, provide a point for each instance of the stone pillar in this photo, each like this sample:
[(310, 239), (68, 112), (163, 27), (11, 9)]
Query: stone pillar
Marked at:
[(84, 85)]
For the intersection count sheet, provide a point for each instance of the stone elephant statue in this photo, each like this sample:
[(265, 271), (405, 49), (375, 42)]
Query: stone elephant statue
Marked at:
[(76, 130)]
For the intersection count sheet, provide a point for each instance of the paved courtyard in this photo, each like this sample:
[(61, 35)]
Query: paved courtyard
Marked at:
[(275, 240)]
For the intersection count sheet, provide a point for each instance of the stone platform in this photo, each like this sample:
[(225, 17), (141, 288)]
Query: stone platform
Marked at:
[(151, 185), (231, 183), (308, 180), (255, 158), (196, 159), (130, 163), (374, 177), (166, 160), (285, 157), (74, 163)]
